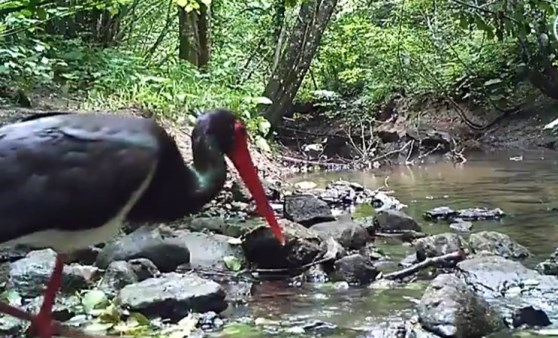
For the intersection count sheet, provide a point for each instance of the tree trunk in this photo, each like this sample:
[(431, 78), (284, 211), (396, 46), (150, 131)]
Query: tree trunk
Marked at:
[(295, 60), (187, 36), (204, 37), (194, 36)]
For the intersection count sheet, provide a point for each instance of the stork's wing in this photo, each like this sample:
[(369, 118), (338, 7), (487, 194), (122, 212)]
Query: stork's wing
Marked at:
[(70, 172)]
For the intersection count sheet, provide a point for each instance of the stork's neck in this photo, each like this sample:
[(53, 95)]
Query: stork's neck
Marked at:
[(177, 189), (209, 168)]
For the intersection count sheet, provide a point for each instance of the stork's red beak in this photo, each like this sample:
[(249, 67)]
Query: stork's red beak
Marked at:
[(240, 156)]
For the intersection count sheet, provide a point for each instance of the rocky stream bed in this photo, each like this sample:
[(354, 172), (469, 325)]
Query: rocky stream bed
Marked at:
[(184, 279)]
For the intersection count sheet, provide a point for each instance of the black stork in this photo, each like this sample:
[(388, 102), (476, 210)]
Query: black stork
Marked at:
[(67, 181)]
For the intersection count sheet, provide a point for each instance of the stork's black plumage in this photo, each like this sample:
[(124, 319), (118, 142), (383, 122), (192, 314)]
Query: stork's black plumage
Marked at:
[(67, 181)]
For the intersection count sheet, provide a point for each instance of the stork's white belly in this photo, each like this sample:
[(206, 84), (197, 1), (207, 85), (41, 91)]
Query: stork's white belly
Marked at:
[(67, 241)]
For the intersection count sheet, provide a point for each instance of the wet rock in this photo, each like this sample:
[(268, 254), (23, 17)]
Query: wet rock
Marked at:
[(144, 268), (146, 242), (471, 214), (371, 252), (477, 214), (12, 254), (30, 275), (334, 250), (238, 290), (409, 236), (355, 269), (316, 274), (209, 321), (306, 210), (211, 224), (64, 308), (305, 185), (409, 261), (118, 275), (460, 225), (381, 201), (242, 194), (509, 286), (530, 317), (549, 266), (388, 221), (349, 234), (497, 244), (86, 256), (208, 250), (449, 309), (172, 296), (302, 246), (438, 245), (397, 328), (440, 213), (368, 222)]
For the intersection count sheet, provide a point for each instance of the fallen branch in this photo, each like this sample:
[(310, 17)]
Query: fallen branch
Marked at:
[(303, 161), (432, 261), (300, 268)]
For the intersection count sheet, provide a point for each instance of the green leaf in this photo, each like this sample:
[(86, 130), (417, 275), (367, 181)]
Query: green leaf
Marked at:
[(232, 263), (92, 299), (99, 328), (262, 100), (262, 144), (141, 319), (264, 126)]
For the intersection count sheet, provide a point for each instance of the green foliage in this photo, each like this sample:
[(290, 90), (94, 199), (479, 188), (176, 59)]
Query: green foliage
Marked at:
[(419, 47), (143, 69), (369, 52)]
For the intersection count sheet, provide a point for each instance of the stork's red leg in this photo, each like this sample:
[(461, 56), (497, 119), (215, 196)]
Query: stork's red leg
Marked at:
[(15, 312), (43, 323)]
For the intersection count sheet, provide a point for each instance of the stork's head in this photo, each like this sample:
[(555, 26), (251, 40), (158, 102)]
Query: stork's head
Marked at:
[(232, 139)]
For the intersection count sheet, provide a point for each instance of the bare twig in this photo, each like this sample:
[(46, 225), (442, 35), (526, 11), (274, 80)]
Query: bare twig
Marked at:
[(300, 268), (389, 153), (432, 261)]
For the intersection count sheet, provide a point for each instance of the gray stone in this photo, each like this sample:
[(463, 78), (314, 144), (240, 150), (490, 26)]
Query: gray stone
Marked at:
[(146, 242), (306, 210), (349, 234), (30, 275), (449, 309), (438, 245), (173, 295), (356, 269), (118, 275), (395, 221), (144, 268), (509, 285), (208, 250), (302, 247), (460, 225), (497, 244)]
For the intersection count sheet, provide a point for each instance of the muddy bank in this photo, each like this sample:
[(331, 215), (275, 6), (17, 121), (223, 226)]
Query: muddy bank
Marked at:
[(331, 133)]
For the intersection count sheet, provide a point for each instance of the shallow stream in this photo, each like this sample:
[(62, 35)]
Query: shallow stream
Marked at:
[(526, 190)]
